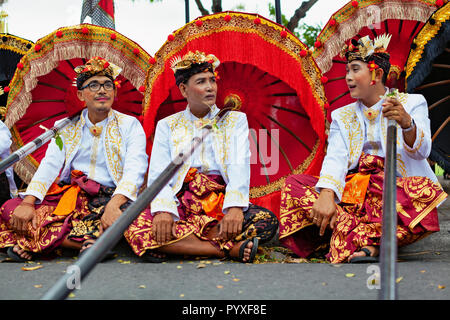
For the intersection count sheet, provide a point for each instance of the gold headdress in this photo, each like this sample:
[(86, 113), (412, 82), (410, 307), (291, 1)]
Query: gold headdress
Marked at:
[(96, 66), (372, 52), (364, 48), (191, 58)]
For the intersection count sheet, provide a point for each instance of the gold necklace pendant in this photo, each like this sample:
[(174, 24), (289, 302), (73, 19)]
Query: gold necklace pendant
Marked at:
[(371, 114), (96, 130)]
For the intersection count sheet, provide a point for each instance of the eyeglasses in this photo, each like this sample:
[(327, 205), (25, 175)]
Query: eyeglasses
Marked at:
[(94, 86)]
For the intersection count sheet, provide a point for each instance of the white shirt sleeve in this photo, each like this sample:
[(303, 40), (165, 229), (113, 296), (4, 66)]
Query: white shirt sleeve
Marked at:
[(160, 157), (135, 162)]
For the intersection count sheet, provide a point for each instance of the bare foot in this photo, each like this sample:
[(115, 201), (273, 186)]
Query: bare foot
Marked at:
[(374, 252), (234, 252), (22, 253)]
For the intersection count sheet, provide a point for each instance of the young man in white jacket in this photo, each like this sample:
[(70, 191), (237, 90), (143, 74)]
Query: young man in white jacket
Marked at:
[(344, 212)]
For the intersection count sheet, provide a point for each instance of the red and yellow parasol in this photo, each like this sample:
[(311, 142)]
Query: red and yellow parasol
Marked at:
[(12, 49), (402, 19), (42, 90), (277, 81), (427, 73)]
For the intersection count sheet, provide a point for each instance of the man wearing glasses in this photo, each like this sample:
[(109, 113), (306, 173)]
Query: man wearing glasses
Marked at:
[(82, 185)]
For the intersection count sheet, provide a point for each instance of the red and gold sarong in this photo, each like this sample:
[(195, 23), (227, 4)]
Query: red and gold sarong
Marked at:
[(70, 211), (201, 202), (358, 221)]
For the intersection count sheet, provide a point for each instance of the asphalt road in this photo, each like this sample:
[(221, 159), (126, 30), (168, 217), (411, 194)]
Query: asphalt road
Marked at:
[(423, 273)]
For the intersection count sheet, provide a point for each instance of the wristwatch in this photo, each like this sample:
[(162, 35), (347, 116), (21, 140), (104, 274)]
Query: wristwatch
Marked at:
[(411, 126)]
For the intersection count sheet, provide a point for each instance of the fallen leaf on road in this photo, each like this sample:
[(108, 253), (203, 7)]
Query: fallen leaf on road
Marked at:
[(179, 267), (441, 287), (142, 286), (349, 275), (201, 265), (38, 286), (71, 295), (398, 279), (31, 268), (124, 261), (219, 286), (226, 272), (236, 280), (296, 260), (182, 295), (423, 271)]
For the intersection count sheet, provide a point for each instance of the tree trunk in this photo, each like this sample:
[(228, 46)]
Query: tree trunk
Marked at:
[(202, 9), (216, 6), (300, 13)]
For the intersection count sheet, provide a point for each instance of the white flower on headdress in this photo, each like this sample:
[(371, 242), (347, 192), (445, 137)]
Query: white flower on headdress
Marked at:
[(382, 41)]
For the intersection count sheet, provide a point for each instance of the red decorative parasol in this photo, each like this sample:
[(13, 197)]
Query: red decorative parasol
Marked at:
[(427, 73), (277, 81), (402, 19), (12, 49), (43, 91)]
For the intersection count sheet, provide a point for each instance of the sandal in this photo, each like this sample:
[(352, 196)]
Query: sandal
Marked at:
[(16, 257), (88, 243), (365, 259), (242, 248)]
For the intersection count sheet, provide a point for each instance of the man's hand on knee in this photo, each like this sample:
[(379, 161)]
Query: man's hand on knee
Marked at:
[(112, 210), (163, 225), (231, 224), (323, 211)]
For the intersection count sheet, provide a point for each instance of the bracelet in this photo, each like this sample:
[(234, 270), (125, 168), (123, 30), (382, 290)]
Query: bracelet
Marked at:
[(411, 127), (27, 204)]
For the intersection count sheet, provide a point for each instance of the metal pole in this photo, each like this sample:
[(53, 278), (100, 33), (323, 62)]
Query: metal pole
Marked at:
[(186, 6), (110, 237), (278, 11), (32, 146), (388, 248)]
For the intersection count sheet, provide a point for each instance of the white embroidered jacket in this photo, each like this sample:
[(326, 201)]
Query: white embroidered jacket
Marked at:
[(5, 144), (346, 139), (124, 144), (231, 152)]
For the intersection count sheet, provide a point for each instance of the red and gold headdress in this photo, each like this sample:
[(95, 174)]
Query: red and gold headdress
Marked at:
[(97, 66), (374, 53)]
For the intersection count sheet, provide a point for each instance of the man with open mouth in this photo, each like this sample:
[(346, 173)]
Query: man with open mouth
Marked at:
[(341, 211)]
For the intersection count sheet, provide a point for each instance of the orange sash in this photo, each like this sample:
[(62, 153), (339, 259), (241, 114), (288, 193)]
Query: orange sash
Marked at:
[(68, 201), (355, 188), (211, 204)]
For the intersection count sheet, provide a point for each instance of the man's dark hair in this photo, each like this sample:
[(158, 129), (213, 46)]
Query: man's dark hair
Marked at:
[(85, 76), (183, 75)]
